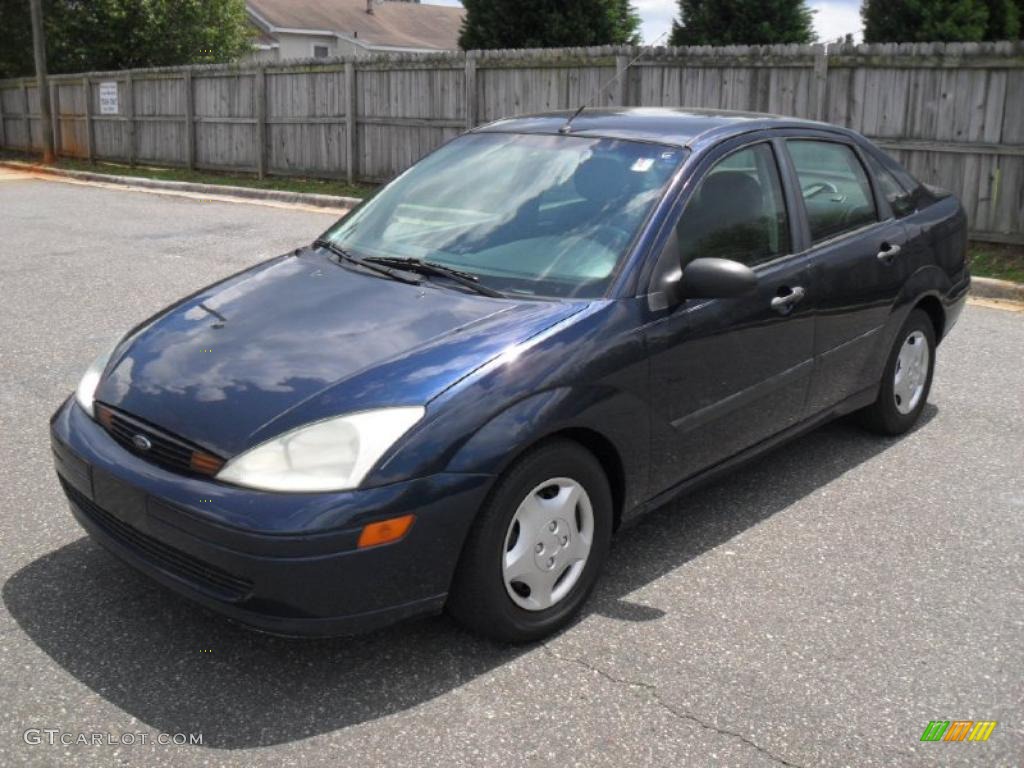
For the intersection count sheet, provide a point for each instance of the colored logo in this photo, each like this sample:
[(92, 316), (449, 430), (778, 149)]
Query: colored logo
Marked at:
[(958, 730)]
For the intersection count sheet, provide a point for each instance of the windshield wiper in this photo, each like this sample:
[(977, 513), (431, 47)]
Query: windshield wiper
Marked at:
[(365, 263), (468, 279)]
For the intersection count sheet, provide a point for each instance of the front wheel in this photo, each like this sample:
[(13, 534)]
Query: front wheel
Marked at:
[(907, 379), (537, 547)]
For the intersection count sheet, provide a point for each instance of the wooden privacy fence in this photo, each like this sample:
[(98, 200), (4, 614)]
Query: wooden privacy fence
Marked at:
[(952, 113)]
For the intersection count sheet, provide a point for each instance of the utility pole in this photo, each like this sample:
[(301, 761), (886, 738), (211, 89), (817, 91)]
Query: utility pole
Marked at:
[(39, 46)]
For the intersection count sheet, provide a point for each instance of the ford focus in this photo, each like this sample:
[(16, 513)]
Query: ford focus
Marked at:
[(455, 396)]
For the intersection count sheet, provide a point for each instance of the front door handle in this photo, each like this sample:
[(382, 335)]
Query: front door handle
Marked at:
[(784, 303), (888, 252)]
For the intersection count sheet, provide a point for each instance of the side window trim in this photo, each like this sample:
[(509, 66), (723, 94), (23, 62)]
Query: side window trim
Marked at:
[(799, 230), (830, 241)]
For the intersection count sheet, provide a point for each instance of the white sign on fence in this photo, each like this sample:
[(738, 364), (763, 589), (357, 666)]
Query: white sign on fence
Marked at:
[(108, 98)]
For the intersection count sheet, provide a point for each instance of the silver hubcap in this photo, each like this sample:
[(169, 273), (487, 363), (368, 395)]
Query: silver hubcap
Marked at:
[(911, 372), (547, 543)]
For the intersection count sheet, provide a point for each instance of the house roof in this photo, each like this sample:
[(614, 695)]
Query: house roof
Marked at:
[(264, 39), (392, 24)]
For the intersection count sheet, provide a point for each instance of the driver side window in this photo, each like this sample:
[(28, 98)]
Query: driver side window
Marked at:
[(738, 211)]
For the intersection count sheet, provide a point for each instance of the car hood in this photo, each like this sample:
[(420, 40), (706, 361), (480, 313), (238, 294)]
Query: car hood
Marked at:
[(300, 339)]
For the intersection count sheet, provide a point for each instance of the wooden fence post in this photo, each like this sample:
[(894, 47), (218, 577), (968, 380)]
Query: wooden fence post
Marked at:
[(261, 121), (351, 166), (471, 101), (819, 84), (622, 81), (90, 141), (55, 116), (129, 113), (190, 123), (28, 120)]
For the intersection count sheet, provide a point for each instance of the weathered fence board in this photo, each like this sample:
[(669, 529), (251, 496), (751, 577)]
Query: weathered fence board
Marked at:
[(953, 113)]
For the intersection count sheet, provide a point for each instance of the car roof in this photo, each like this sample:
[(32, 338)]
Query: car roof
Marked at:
[(679, 126)]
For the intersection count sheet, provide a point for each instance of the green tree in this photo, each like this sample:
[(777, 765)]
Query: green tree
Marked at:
[(743, 22), (1004, 19), (909, 21), (84, 35), (547, 23)]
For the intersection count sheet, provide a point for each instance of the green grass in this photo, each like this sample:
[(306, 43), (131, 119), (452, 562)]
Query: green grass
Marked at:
[(286, 184), (1003, 262)]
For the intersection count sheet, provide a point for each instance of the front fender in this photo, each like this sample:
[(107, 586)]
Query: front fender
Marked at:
[(590, 374), (593, 413)]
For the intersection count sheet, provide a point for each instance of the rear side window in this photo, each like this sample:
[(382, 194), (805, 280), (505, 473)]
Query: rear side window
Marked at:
[(834, 187), (738, 211), (899, 198)]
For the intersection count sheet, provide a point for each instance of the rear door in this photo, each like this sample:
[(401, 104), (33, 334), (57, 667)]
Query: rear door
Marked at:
[(728, 373), (857, 263)]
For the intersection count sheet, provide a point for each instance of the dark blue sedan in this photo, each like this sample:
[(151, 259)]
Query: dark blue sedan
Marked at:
[(455, 396)]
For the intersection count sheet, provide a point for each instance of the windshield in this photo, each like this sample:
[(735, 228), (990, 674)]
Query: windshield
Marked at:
[(525, 214)]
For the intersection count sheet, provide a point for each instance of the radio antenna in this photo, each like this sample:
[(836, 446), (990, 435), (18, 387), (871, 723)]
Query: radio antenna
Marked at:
[(567, 127)]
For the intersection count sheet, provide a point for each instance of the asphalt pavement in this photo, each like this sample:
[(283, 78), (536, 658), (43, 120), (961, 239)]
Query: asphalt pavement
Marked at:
[(817, 608)]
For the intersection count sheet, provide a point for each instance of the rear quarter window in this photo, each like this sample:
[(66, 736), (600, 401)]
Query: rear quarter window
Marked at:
[(920, 195), (901, 200)]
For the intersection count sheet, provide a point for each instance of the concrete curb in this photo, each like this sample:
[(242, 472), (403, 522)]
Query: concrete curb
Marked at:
[(274, 195), (989, 288)]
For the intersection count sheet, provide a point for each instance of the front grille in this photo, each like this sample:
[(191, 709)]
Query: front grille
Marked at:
[(181, 564), (165, 450)]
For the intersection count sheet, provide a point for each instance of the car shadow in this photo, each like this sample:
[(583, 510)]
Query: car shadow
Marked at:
[(181, 669)]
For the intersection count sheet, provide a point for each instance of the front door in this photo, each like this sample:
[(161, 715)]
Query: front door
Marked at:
[(729, 373)]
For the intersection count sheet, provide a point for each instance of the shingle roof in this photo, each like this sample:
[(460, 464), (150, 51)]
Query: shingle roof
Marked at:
[(396, 24), (264, 38)]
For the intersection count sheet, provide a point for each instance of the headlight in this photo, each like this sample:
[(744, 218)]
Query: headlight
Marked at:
[(86, 391), (330, 455)]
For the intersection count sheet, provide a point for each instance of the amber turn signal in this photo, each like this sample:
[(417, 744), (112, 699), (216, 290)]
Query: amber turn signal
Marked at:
[(104, 416), (205, 464), (385, 531)]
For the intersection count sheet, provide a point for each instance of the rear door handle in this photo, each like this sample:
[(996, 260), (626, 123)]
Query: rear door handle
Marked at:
[(784, 304), (887, 252)]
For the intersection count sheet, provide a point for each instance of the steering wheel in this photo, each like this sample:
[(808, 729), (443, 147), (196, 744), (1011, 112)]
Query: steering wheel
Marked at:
[(815, 189)]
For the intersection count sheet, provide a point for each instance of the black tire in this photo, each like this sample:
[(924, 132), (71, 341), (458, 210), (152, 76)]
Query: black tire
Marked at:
[(883, 416), (478, 599)]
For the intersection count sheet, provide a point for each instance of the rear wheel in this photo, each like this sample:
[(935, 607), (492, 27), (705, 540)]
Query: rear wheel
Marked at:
[(537, 547), (907, 379)]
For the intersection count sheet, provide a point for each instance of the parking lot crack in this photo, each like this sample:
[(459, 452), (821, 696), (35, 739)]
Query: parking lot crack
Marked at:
[(671, 709)]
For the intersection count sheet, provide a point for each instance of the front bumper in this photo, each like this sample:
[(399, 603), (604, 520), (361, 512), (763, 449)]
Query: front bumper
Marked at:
[(283, 563)]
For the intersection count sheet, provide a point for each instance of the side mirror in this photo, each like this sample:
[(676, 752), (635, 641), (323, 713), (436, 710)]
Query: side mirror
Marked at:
[(710, 278)]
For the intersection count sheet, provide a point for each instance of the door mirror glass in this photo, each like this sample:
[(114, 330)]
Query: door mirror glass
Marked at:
[(711, 278)]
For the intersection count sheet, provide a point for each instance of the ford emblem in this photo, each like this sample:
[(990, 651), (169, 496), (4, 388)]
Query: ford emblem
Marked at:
[(141, 442)]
